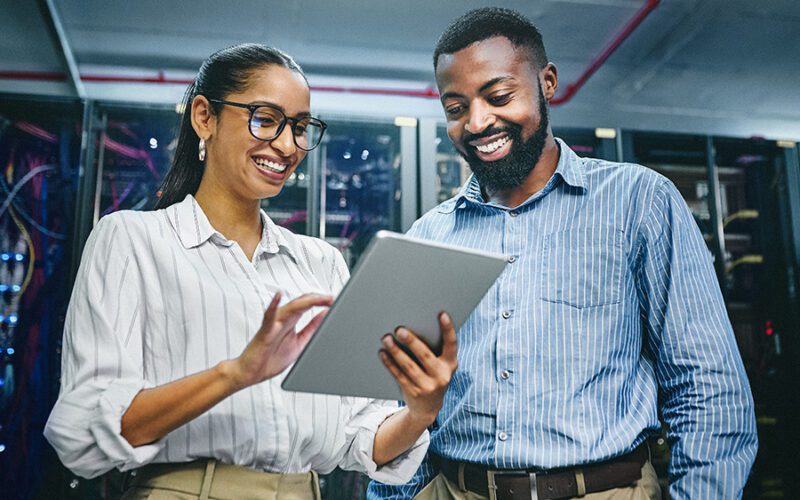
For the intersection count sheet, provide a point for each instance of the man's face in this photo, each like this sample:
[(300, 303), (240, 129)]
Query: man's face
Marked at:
[(496, 110)]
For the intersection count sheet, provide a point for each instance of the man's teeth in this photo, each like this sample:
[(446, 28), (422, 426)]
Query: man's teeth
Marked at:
[(492, 147), (270, 165)]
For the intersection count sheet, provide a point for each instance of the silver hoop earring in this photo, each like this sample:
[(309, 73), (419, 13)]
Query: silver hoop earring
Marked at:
[(201, 150)]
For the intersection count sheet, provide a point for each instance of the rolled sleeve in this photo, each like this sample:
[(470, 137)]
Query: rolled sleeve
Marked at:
[(85, 429), (101, 368), (360, 433)]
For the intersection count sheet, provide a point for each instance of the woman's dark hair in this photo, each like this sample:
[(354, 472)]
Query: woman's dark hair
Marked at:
[(223, 73)]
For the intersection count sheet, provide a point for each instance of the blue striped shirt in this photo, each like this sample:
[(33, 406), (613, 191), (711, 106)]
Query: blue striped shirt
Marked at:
[(609, 304)]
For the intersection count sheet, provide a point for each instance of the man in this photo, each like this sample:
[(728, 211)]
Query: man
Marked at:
[(607, 317)]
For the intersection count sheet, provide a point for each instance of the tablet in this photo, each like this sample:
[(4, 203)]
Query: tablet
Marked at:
[(399, 281)]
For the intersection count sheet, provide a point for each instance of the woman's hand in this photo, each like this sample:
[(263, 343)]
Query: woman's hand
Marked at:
[(423, 384), (276, 345)]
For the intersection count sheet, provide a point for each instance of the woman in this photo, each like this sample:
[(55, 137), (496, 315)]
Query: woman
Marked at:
[(164, 301)]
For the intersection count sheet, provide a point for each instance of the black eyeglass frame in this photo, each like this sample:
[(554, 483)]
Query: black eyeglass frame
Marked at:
[(253, 107)]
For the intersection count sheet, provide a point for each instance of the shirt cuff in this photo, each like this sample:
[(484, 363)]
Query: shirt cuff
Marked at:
[(359, 456), (106, 426)]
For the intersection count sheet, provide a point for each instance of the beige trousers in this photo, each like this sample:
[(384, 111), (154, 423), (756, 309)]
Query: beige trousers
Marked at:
[(646, 488), (209, 479)]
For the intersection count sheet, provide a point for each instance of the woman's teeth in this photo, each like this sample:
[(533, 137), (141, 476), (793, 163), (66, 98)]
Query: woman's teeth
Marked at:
[(492, 147), (270, 165)]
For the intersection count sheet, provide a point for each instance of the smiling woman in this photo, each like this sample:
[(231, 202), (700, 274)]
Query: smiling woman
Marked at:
[(164, 300)]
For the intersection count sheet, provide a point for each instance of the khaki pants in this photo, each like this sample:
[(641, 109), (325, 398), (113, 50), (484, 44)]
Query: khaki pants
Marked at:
[(646, 488), (209, 479)]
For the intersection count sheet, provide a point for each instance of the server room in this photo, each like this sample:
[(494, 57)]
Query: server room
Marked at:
[(192, 191)]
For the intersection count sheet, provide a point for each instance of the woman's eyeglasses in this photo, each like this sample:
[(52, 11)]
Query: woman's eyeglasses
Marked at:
[(267, 122)]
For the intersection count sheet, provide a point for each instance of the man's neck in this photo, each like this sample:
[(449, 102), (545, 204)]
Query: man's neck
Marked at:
[(534, 182)]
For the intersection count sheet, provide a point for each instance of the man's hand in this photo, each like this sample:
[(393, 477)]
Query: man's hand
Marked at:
[(423, 384)]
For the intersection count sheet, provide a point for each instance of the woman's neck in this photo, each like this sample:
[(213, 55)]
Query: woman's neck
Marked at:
[(236, 218)]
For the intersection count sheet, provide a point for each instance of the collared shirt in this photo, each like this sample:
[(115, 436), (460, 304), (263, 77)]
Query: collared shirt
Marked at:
[(608, 304), (161, 295)]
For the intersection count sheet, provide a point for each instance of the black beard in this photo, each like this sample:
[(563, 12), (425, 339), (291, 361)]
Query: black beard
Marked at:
[(511, 170)]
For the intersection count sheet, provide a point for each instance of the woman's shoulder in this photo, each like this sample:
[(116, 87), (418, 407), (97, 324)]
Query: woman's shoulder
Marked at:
[(135, 224)]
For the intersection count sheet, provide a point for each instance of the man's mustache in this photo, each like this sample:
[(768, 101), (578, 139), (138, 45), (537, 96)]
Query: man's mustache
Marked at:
[(488, 133)]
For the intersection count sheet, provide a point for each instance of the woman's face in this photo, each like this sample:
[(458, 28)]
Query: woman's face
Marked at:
[(243, 165)]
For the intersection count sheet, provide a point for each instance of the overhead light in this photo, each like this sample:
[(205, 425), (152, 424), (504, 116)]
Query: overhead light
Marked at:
[(785, 143), (405, 121), (605, 133)]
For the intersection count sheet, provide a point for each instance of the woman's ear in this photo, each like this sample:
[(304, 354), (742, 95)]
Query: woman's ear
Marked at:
[(204, 121)]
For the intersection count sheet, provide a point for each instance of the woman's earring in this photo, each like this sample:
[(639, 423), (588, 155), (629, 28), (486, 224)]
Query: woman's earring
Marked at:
[(201, 150)]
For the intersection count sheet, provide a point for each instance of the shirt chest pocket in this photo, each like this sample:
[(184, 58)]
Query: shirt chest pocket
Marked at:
[(583, 267)]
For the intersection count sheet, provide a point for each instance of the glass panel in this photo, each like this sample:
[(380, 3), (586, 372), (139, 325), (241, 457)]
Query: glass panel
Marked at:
[(361, 179), (586, 144), (682, 159), (135, 152), (452, 171), (39, 151)]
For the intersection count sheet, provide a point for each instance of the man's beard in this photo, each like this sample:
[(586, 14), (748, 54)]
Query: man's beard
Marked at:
[(511, 170)]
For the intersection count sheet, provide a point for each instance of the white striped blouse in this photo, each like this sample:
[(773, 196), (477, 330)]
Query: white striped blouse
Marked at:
[(160, 295), (609, 317)]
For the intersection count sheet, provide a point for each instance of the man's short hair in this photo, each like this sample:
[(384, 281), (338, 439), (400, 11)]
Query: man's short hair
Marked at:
[(487, 22)]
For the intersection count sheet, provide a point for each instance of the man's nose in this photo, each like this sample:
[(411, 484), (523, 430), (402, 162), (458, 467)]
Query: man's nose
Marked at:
[(479, 119)]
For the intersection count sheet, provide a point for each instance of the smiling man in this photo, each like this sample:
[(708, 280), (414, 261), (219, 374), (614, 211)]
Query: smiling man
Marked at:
[(607, 322)]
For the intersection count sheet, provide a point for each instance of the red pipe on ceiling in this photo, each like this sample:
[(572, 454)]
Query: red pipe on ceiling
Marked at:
[(598, 61), (428, 93)]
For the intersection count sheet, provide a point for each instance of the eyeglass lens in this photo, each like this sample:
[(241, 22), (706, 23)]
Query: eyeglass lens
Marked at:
[(267, 122)]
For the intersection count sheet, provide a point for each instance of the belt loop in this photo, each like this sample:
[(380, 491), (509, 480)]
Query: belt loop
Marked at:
[(205, 491), (462, 486), (315, 481), (580, 482)]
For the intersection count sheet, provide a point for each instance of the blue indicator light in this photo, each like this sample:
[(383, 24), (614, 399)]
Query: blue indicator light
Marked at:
[(5, 256), (12, 318), (3, 288), (10, 351), (14, 288), (19, 257)]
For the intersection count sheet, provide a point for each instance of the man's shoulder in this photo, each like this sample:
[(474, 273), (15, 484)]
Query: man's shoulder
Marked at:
[(434, 217)]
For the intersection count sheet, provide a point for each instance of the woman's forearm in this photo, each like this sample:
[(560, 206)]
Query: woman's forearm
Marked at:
[(155, 412), (397, 434)]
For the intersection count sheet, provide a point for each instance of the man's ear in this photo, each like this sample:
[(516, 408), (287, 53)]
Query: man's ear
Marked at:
[(204, 121), (549, 76)]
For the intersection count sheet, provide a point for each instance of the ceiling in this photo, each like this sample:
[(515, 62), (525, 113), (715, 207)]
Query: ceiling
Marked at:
[(727, 67)]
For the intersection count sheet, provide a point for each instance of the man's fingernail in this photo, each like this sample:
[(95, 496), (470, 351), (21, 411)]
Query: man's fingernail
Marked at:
[(402, 334)]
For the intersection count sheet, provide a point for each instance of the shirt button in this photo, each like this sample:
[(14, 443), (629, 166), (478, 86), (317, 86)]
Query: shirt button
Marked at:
[(513, 213), (506, 314), (504, 374), (512, 259), (502, 436)]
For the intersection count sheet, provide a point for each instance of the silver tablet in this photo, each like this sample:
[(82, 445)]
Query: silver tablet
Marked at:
[(399, 281)]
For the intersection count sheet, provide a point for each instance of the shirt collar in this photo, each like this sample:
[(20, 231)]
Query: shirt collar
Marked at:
[(570, 168), (193, 228)]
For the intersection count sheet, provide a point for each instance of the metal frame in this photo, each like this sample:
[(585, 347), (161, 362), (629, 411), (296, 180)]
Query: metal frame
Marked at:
[(408, 176), (715, 210), (426, 139)]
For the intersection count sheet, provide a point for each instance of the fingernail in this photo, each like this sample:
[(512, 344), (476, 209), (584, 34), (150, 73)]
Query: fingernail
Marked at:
[(387, 340), (445, 317), (402, 334)]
